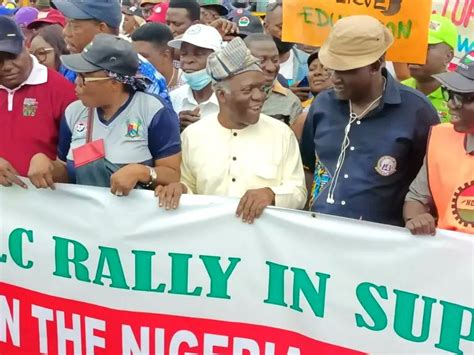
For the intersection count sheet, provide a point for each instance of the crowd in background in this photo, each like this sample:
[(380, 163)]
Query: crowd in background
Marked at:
[(205, 97)]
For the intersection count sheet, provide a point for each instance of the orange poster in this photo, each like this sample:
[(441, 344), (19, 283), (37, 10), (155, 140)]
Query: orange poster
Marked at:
[(310, 21)]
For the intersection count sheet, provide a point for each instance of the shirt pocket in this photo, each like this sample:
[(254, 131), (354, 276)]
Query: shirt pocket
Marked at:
[(263, 175)]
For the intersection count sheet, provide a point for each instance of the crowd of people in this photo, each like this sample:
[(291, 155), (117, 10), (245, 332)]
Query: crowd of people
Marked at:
[(205, 97)]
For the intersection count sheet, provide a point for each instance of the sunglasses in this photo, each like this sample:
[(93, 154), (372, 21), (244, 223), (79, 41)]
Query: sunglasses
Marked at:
[(457, 98), (82, 80), (42, 54)]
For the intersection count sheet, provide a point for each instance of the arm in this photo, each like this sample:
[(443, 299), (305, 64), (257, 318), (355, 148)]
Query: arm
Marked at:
[(170, 195), (402, 71), (307, 148), (291, 193), (418, 204), (296, 110), (165, 148), (168, 169), (188, 177), (44, 172), (298, 126)]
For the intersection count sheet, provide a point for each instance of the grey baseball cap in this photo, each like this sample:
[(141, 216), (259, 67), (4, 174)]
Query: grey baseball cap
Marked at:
[(462, 79), (107, 11), (105, 52)]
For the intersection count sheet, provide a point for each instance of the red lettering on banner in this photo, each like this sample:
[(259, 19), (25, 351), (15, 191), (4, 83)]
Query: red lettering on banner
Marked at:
[(461, 12), (53, 325)]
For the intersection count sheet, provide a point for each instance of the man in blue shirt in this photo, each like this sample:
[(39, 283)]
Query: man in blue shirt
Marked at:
[(364, 141), (86, 18)]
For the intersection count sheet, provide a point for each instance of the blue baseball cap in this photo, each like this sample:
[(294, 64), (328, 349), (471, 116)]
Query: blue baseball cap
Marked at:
[(107, 11), (11, 37), (5, 11)]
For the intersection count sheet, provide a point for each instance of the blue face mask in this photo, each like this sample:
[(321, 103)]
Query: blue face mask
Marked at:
[(197, 80)]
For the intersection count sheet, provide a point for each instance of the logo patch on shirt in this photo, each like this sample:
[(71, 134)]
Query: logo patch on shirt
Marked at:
[(29, 107), (133, 128), (386, 166), (463, 204), (80, 127)]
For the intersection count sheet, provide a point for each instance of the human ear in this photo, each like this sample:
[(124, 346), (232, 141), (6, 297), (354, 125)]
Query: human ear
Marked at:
[(221, 95)]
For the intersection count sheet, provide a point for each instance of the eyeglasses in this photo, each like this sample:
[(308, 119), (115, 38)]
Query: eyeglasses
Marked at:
[(456, 98), (42, 54), (82, 80)]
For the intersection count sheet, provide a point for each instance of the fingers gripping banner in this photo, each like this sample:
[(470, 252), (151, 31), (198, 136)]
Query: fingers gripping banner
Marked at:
[(86, 272)]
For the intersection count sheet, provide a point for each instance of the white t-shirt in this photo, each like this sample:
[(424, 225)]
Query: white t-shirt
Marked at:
[(183, 100), (286, 68)]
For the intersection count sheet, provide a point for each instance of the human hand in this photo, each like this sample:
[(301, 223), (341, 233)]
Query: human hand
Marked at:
[(9, 176), (126, 178), (225, 27), (423, 224), (187, 118), (41, 171), (253, 203), (169, 196)]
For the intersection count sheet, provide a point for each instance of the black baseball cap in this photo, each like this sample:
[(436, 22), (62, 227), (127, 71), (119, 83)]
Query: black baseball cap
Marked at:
[(11, 36), (462, 79), (105, 52), (216, 5), (248, 24)]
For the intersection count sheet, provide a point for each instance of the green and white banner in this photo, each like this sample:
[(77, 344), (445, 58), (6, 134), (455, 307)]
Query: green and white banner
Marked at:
[(85, 272)]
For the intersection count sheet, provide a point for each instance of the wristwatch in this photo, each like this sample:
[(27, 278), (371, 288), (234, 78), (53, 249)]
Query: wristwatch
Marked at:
[(153, 177)]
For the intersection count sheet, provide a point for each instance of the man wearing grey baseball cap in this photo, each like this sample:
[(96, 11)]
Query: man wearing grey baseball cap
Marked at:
[(364, 141), (251, 156), (116, 135), (86, 18), (444, 186)]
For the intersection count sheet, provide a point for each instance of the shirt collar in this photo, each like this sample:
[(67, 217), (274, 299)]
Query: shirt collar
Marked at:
[(279, 89), (190, 98), (38, 75), (391, 95)]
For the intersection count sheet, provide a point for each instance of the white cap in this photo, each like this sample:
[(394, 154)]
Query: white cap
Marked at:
[(201, 36)]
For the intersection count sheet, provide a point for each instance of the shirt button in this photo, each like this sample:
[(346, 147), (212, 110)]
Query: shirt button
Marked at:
[(233, 179), (358, 122), (346, 176), (234, 158), (343, 203), (235, 134), (352, 148)]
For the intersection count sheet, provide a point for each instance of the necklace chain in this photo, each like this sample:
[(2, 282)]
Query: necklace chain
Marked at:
[(353, 116)]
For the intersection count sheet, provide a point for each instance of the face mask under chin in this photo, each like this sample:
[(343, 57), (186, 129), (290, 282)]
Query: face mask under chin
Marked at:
[(197, 80)]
